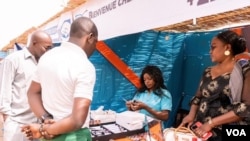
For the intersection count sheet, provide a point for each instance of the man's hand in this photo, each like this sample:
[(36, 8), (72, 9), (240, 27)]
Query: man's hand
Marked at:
[(31, 131), (47, 123)]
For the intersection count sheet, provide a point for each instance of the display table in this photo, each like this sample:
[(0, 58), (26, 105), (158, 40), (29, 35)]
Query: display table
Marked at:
[(114, 132)]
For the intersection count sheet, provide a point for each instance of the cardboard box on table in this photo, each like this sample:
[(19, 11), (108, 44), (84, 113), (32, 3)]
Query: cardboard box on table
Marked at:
[(131, 120), (103, 116)]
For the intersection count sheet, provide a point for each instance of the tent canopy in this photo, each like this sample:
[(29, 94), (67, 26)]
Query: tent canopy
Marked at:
[(229, 18)]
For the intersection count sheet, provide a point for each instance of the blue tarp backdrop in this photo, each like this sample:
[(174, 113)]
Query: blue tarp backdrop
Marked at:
[(182, 58)]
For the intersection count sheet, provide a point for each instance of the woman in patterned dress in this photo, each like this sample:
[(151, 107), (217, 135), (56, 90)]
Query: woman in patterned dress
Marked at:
[(212, 103)]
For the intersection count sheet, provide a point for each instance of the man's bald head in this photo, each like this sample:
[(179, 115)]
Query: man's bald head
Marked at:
[(40, 36), (40, 42), (83, 32), (82, 26)]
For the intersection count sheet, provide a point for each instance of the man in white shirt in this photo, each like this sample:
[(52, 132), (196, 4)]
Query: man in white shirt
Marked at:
[(63, 87), (16, 71)]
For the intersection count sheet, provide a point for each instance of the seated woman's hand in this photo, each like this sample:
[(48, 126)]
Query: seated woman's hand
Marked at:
[(129, 104), (138, 105)]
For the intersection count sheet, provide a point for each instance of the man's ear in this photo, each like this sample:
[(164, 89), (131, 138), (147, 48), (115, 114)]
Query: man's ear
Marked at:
[(90, 35), (34, 43)]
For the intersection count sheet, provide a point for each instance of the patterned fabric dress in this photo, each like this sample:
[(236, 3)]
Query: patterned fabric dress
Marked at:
[(215, 101)]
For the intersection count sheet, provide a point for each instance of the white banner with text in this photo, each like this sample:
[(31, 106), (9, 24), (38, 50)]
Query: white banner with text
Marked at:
[(122, 17)]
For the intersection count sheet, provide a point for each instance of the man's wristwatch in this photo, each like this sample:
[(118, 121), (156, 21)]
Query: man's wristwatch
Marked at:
[(44, 117)]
